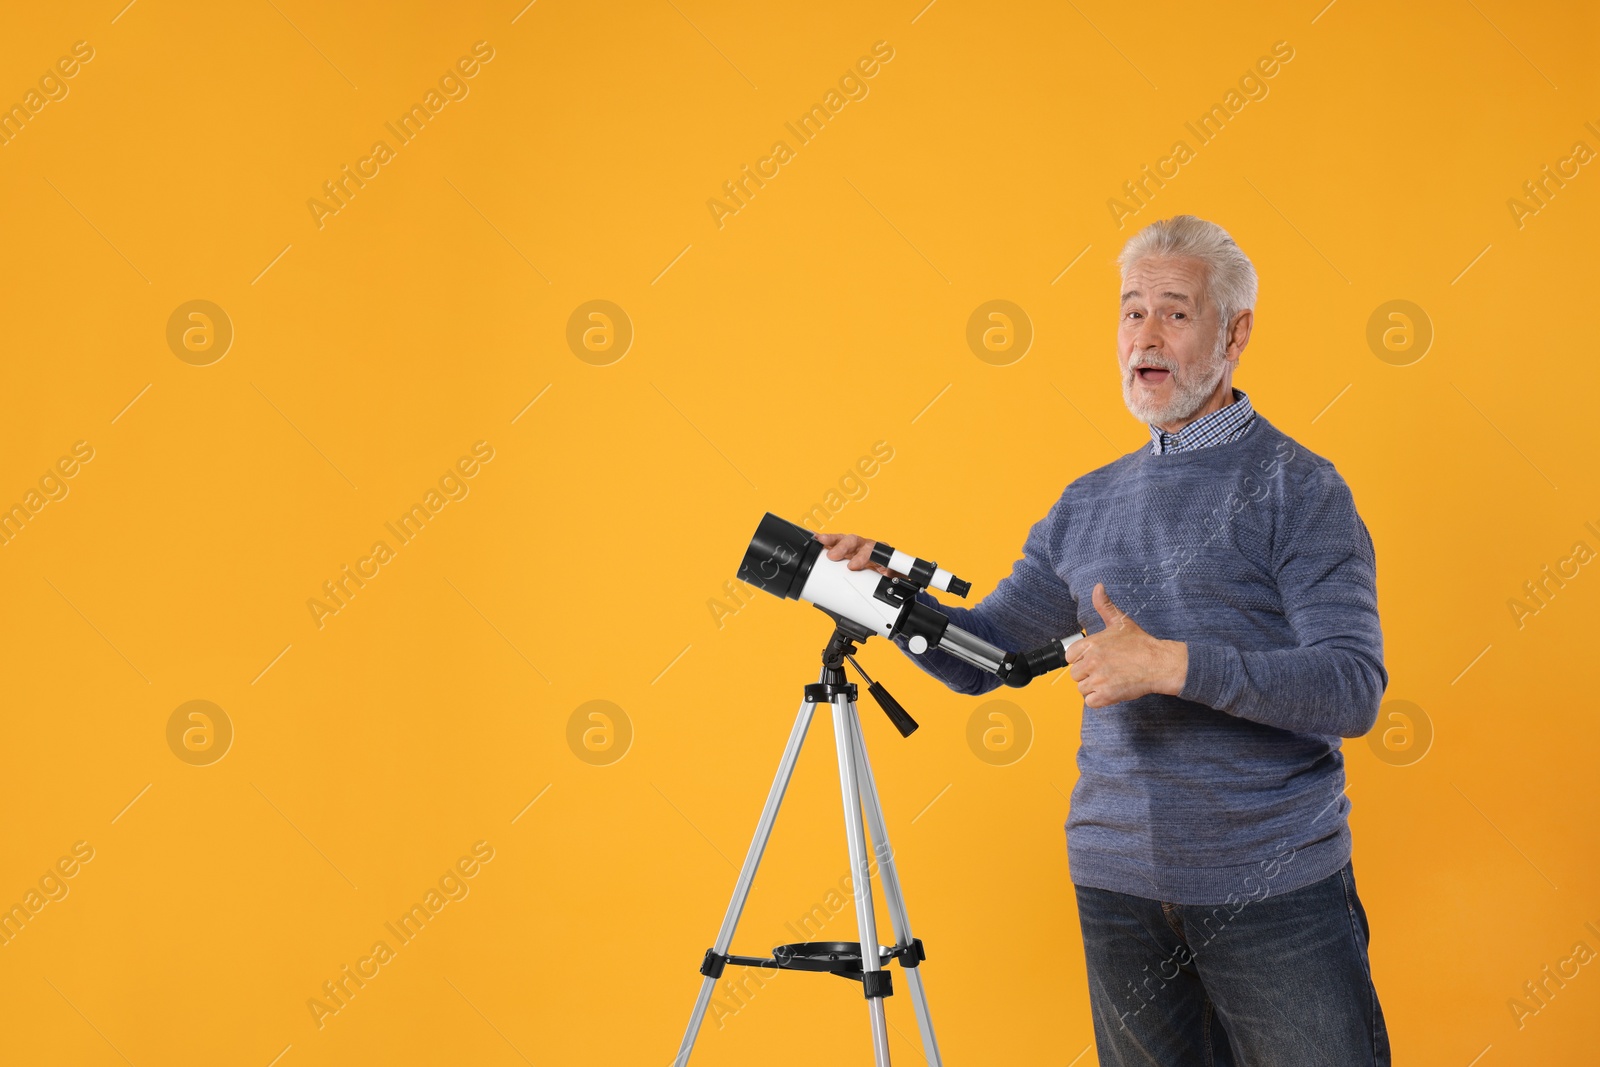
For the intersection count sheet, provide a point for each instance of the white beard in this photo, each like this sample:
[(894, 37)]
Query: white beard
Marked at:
[(1190, 390)]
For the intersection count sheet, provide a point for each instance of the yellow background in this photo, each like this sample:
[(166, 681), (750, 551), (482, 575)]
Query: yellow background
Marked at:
[(769, 355)]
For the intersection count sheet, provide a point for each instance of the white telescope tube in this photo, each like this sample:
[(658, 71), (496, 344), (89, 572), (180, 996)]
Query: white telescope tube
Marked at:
[(834, 586)]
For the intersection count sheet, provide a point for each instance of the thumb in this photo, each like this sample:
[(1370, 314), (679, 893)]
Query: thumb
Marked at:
[(1113, 615)]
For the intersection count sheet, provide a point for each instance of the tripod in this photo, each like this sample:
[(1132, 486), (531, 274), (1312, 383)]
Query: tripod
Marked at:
[(863, 961)]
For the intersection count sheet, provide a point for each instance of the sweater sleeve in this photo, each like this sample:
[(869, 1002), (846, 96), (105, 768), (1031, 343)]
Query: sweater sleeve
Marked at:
[(1333, 681), (1029, 606)]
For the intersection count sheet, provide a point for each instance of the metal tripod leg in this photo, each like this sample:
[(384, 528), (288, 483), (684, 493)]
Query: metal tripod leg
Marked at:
[(892, 894), (846, 739), (747, 875)]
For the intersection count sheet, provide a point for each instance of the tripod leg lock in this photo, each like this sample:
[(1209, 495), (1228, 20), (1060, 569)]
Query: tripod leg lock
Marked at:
[(714, 964), (877, 984), (912, 954)]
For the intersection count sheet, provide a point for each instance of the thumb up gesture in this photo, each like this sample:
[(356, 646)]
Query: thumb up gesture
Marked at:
[(1123, 662)]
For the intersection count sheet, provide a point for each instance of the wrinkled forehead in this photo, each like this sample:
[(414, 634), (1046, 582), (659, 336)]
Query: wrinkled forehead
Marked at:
[(1165, 280)]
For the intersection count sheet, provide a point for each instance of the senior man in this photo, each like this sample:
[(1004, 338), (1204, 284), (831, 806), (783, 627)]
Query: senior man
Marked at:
[(1228, 588)]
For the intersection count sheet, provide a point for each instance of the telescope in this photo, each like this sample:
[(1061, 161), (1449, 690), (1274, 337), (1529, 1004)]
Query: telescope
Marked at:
[(784, 559)]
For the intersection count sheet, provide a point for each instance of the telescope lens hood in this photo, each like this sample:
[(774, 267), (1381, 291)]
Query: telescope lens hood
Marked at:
[(780, 557)]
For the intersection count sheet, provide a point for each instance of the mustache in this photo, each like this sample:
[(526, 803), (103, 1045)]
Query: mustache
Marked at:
[(1149, 360)]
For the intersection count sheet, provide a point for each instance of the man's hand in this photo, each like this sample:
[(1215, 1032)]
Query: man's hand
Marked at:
[(858, 550), (1122, 662)]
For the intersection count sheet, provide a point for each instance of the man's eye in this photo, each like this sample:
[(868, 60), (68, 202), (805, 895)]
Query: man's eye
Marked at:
[(1179, 315)]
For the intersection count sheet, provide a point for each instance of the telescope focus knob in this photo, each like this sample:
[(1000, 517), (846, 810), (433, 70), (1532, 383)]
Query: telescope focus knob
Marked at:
[(917, 644)]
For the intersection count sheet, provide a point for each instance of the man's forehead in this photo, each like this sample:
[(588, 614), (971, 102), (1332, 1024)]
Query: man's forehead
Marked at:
[(1166, 279)]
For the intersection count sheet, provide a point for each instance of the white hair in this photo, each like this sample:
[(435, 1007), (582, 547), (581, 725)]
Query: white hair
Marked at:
[(1230, 276)]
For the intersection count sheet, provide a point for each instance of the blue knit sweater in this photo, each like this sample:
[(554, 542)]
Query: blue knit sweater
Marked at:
[(1251, 552)]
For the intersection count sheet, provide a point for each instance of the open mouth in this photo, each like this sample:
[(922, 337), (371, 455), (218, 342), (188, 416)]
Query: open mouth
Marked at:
[(1152, 375)]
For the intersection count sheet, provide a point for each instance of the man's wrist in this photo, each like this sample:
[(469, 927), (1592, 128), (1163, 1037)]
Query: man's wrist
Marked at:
[(1176, 675)]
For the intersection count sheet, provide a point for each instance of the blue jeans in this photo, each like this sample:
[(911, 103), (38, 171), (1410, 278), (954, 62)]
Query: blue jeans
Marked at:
[(1281, 980)]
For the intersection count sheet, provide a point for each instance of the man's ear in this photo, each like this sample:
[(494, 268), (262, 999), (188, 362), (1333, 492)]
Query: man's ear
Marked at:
[(1239, 334)]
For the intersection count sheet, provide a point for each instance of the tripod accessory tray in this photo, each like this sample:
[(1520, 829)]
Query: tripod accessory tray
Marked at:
[(842, 958)]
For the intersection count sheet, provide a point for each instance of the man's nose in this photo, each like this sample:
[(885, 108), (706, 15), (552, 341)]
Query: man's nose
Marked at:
[(1146, 338), (1147, 335)]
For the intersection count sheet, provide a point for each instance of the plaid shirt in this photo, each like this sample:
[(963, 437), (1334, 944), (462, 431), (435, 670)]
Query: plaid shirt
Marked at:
[(1217, 428)]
